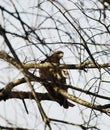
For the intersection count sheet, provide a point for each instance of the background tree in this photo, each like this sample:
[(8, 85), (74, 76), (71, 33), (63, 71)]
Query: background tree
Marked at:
[(30, 31)]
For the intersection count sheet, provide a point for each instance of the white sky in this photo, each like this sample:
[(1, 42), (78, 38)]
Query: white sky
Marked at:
[(15, 111)]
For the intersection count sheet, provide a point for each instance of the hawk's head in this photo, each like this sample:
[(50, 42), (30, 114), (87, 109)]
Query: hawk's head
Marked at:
[(55, 57)]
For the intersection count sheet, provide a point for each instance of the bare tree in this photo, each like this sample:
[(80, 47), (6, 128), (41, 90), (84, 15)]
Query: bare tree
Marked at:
[(30, 32)]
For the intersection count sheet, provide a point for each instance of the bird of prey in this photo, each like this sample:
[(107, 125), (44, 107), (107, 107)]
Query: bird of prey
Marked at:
[(55, 75)]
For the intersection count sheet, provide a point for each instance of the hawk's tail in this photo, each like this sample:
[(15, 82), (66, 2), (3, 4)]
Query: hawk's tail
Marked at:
[(65, 103)]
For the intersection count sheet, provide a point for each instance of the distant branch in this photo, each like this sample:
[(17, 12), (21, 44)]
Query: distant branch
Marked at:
[(12, 128)]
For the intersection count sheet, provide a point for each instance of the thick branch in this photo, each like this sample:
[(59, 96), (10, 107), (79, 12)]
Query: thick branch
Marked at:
[(88, 64), (11, 60), (7, 89), (45, 96), (82, 102), (28, 95)]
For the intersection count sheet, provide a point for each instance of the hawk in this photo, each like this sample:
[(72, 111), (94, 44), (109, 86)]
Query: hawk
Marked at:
[(55, 75)]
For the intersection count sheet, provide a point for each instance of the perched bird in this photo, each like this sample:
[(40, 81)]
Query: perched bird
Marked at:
[(55, 75)]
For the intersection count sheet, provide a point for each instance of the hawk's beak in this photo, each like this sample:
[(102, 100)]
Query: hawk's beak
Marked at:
[(61, 55)]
